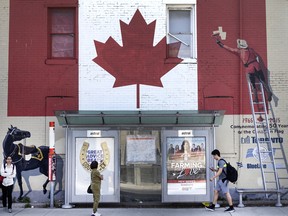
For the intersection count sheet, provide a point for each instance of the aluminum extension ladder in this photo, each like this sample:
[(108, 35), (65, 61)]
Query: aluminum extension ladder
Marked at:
[(266, 151), (283, 176)]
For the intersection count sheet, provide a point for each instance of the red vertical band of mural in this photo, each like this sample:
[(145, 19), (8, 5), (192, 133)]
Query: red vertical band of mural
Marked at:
[(36, 85), (221, 76)]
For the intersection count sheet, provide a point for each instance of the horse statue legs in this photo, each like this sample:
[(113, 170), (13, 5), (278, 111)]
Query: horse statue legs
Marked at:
[(19, 179), (45, 185)]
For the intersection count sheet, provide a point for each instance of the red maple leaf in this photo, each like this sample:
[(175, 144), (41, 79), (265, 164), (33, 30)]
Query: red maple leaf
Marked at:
[(138, 61)]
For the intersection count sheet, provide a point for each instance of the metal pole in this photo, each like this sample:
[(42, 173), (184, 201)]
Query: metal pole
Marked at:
[(67, 204), (217, 205)]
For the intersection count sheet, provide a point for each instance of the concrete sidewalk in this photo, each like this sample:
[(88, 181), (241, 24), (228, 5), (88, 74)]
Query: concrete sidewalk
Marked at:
[(247, 211)]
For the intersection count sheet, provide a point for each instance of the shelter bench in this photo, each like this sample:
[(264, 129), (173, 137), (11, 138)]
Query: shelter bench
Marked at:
[(253, 191)]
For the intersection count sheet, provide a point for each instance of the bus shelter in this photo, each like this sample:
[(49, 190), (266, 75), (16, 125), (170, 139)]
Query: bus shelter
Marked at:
[(144, 156)]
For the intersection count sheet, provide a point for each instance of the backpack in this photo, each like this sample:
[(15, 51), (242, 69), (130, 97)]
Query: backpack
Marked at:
[(232, 173)]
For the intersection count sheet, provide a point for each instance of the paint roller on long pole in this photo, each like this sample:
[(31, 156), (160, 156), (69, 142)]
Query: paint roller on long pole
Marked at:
[(216, 36)]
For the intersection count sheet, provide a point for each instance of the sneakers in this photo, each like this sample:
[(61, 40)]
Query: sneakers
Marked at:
[(210, 208), (10, 210), (230, 209)]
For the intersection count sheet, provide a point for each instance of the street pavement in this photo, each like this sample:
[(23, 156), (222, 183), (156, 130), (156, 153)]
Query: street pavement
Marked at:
[(246, 211)]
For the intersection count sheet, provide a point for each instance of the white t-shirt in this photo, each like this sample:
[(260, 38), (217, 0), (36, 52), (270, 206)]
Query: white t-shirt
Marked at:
[(9, 172)]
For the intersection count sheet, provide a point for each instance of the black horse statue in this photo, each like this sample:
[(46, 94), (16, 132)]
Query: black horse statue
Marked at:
[(39, 155)]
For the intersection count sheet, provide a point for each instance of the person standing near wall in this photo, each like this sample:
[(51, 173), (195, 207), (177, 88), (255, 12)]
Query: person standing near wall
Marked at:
[(96, 179), (222, 182), (8, 171)]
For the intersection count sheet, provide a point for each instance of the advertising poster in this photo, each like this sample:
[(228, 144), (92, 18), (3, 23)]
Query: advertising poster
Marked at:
[(186, 165), (88, 150), (141, 149)]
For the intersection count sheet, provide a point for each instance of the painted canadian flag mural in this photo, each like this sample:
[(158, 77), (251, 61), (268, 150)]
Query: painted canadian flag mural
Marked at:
[(120, 57), (138, 62), (131, 71)]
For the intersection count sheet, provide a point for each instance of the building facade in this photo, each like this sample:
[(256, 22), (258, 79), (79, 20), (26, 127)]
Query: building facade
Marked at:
[(152, 56)]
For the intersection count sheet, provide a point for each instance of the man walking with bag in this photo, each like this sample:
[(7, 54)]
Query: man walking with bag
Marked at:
[(222, 182)]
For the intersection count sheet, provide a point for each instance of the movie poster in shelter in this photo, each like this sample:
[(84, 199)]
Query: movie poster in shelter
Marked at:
[(186, 165)]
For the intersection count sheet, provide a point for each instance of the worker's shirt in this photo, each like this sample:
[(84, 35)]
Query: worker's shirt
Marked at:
[(248, 57)]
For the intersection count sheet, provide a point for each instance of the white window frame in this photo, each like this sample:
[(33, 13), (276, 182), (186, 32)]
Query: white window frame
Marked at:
[(193, 44)]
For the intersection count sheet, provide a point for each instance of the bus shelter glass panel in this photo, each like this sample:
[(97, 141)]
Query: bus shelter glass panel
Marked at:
[(102, 151), (186, 165), (140, 175), (90, 145)]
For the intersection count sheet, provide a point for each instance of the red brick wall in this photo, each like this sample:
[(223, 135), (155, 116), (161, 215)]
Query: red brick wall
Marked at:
[(32, 80)]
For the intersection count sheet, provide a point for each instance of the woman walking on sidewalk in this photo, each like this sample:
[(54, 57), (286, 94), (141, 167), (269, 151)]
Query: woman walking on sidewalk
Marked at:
[(8, 171)]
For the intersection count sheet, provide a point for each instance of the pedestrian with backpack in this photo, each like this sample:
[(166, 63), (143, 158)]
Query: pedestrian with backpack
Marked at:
[(222, 182), (8, 171)]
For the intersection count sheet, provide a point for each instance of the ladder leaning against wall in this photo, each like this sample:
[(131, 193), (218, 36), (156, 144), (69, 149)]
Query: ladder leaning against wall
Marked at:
[(273, 162)]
